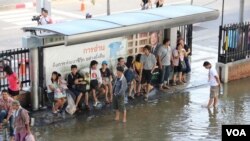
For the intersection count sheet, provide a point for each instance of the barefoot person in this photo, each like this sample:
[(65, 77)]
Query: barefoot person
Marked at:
[(214, 82), (120, 87)]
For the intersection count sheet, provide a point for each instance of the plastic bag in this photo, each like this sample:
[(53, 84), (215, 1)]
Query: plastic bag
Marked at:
[(71, 107), (30, 137), (59, 94)]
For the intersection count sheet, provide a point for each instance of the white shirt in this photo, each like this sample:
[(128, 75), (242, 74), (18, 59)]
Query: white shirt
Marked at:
[(96, 75), (49, 83), (45, 20), (212, 74)]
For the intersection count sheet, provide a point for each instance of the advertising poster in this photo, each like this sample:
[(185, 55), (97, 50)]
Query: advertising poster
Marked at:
[(60, 58)]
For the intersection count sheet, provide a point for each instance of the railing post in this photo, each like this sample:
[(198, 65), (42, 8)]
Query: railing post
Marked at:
[(108, 7), (41, 77), (219, 43), (190, 36)]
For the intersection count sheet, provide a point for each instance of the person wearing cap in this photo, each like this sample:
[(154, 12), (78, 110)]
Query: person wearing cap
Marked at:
[(106, 81), (120, 87), (22, 121)]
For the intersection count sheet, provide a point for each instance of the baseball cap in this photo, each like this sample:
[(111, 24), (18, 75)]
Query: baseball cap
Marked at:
[(105, 62)]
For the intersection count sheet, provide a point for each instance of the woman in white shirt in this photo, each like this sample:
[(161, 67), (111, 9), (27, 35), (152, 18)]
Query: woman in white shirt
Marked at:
[(54, 92)]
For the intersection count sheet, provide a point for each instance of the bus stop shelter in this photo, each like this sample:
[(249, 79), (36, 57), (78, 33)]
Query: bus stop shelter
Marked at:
[(105, 27)]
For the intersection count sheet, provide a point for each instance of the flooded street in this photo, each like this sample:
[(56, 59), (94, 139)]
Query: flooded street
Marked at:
[(174, 117)]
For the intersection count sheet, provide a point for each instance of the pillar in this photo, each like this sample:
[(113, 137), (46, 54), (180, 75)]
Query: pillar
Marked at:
[(34, 78)]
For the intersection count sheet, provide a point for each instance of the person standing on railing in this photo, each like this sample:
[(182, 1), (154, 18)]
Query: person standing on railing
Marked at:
[(13, 82), (6, 112)]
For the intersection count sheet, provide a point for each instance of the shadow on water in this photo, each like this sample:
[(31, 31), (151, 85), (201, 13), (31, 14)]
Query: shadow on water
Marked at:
[(168, 117)]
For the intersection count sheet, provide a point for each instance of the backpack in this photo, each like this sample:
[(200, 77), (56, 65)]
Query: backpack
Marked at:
[(129, 75)]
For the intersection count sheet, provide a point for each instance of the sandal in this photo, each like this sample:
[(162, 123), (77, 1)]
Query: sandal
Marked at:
[(87, 107), (166, 87), (131, 97), (138, 94)]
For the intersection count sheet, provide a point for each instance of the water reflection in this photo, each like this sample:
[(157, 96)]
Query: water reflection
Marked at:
[(173, 117)]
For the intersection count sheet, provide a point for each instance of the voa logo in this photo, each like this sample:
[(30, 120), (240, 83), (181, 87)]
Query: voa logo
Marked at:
[(236, 132)]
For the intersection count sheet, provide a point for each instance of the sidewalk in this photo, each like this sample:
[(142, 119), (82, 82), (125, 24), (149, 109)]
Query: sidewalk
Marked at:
[(197, 78)]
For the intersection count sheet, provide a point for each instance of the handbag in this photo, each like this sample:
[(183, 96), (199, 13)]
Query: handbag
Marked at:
[(81, 87), (30, 137), (182, 65), (58, 93)]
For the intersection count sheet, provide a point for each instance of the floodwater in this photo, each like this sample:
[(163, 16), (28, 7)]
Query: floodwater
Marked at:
[(179, 117)]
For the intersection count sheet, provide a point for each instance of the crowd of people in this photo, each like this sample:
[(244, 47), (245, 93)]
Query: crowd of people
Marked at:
[(16, 117), (133, 77), (157, 60), (11, 112)]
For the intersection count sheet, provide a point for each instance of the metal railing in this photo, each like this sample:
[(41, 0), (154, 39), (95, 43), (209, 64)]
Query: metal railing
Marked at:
[(18, 60), (234, 42)]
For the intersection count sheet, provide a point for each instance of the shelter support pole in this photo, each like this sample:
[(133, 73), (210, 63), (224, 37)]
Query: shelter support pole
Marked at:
[(241, 11), (34, 78), (172, 34)]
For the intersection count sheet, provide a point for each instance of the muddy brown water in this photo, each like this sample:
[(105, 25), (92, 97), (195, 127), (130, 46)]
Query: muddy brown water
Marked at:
[(179, 117)]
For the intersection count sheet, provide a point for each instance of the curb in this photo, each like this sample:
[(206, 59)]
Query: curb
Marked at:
[(18, 6)]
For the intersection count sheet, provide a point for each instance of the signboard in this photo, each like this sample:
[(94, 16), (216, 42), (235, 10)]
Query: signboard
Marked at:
[(60, 58)]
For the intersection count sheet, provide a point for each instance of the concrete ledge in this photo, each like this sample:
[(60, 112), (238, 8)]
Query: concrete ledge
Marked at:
[(234, 70), (24, 98)]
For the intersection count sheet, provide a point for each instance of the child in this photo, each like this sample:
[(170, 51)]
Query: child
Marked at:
[(95, 80), (106, 79), (120, 87)]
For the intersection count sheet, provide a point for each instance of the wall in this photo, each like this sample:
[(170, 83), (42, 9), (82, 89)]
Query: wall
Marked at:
[(239, 70), (234, 70)]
